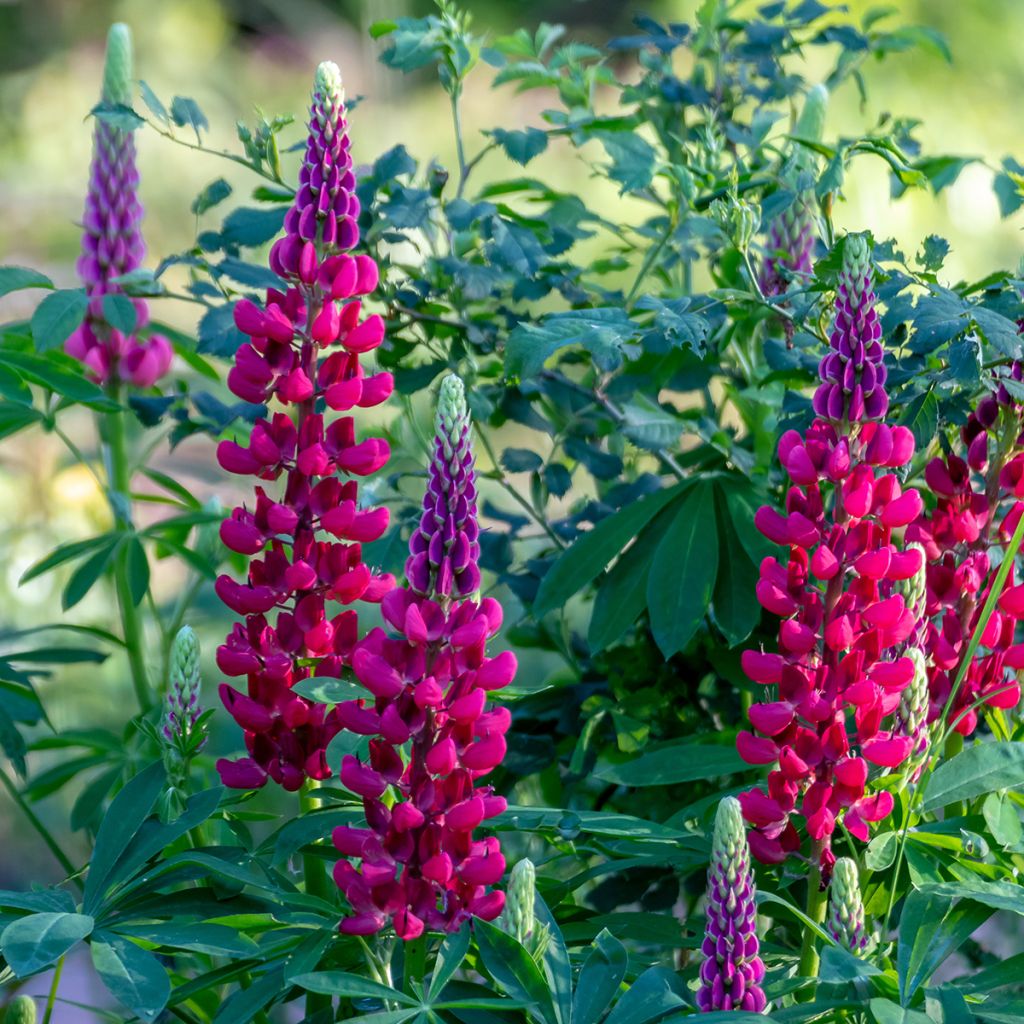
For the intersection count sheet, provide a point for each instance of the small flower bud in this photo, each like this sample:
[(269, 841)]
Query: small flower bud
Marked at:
[(21, 1010), (846, 908)]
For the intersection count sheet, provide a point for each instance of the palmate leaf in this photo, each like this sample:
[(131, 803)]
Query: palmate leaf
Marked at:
[(592, 551), (34, 942)]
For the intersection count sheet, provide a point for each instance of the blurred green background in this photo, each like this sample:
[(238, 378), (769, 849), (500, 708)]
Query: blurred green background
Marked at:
[(234, 56)]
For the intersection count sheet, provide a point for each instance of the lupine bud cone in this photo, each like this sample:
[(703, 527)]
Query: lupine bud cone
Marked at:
[(444, 549), (184, 668), (21, 1010), (117, 68), (732, 971), (518, 915), (846, 908), (853, 374)]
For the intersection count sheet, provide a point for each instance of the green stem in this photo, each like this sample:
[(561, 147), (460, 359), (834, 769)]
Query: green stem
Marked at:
[(120, 474), (314, 871), (816, 905), (415, 964), (54, 985), (43, 831)]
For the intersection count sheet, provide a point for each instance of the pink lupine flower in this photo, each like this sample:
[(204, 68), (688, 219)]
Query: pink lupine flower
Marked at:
[(304, 347), (977, 505), (841, 666), (428, 685), (112, 242)]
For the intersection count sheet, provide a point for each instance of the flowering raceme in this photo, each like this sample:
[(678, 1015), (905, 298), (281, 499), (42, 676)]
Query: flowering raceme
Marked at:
[(732, 972), (295, 571), (977, 505), (112, 239), (845, 620), (428, 683)]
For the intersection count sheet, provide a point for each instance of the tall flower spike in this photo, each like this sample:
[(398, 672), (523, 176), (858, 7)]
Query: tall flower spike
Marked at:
[(434, 738), (518, 918), (182, 729), (732, 972), (853, 374), (792, 234), (445, 547), (112, 239), (306, 539), (846, 908)]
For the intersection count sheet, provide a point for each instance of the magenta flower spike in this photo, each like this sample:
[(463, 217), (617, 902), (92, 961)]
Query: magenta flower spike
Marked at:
[(112, 242), (853, 374), (732, 972), (445, 547), (428, 685), (306, 539)]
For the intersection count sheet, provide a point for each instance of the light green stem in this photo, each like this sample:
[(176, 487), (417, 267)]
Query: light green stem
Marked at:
[(119, 470), (816, 905), (54, 985), (415, 964)]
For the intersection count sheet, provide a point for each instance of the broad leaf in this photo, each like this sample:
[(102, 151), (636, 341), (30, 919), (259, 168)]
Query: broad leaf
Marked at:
[(976, 771), (134, 976), (34, 942)]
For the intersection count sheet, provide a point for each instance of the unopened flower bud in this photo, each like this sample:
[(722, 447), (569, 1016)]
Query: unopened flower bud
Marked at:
[(846, 908), (21, 1010)]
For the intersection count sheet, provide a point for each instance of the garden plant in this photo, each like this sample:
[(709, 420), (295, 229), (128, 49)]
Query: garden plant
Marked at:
[(624, 612)]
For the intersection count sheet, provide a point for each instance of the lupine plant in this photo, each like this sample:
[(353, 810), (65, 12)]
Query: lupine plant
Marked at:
[(621, 598)]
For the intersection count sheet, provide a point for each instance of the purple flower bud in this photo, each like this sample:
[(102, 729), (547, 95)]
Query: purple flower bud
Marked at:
[(445, 547), (732, 971), (853, 374)]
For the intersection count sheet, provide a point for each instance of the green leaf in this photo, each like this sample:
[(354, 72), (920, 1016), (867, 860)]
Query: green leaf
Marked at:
[(672, 763), (351, 986), (57, 316), (622, 596), (185, 112), (137, 570), (58, 373), (34, 942), (600, 978), (683, 572), (884, 1011), (733, 601), (838, 964), (83, 578), (556, 964), (133, 976), (14, 418), (65, 553), (521, 146), (591, 552), (15, 279), (946, 1005), (649, 425), (606, 333), (633, 159), (324, 690), (513, 969), (216, 192), (119, 312), (656, 992), (449, 959), (218, 335), (932, 928), (123, 819), (151, 100), (12, 743), (118, 115), (199, 937), (976, 771), (921, 416), (881, 851), (251, 227), (241, 1007), (1003, 819)]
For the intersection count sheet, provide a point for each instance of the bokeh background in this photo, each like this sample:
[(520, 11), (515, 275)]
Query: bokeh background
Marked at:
[(235, 55)]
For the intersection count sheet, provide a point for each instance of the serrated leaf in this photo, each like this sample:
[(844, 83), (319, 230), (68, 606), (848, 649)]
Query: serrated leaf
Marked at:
[(185, 112), (119, 312), (521, 146)]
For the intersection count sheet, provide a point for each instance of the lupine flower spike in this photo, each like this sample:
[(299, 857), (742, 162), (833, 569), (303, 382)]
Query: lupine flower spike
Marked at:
[(978, 506), (841, 667), (518, 918), (428, 684), (182, 730), (306, 537), (112, 239), (732, 972), (846, 908), (793, 233)]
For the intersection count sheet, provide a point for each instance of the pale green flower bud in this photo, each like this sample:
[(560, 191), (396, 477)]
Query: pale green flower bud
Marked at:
[(117, 66), (846, 908)]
